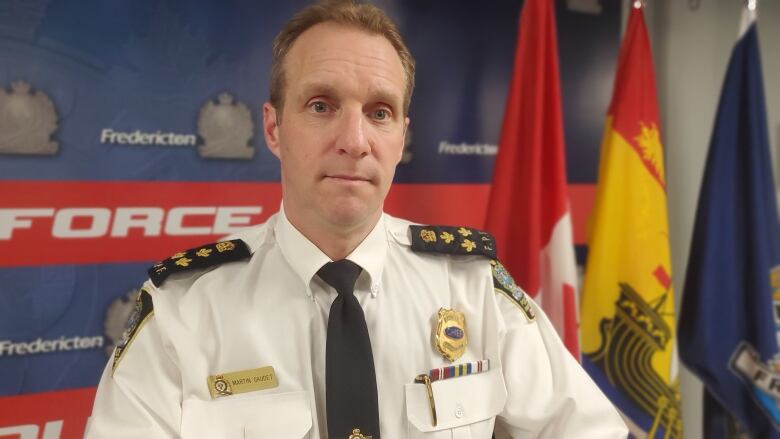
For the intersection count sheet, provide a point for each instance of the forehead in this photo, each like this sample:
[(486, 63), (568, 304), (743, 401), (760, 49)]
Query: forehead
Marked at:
[(341, 55)]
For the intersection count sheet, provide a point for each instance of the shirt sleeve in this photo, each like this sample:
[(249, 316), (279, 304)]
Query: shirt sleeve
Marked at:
[(549, 395), (141, 396)]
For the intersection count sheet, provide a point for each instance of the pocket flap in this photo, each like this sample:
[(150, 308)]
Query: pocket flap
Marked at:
[(459, 401), (258, 416)]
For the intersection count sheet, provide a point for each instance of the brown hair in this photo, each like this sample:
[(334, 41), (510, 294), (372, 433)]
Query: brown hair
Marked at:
[(345, 12)]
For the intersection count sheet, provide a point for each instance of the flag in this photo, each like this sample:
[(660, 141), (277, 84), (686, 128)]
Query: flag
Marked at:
[(627, 315), (730, 325), (528, 209)]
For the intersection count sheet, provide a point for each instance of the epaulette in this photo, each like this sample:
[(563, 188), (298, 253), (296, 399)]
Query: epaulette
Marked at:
[(199, 257), (504, 284), (142, 310), (453, 240)]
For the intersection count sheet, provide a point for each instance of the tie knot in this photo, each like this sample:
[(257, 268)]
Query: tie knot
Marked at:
[(341, 275)]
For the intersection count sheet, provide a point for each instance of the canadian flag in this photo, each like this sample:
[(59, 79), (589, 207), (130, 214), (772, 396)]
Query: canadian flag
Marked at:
[(528, 210)]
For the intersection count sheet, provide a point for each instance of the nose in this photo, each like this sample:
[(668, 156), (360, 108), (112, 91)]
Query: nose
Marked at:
[(352, 139)]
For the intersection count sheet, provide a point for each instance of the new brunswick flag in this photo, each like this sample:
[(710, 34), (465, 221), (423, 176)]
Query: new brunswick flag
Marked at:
[(627, 314)]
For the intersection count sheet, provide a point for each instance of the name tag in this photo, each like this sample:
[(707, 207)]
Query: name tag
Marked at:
[(242, 381)]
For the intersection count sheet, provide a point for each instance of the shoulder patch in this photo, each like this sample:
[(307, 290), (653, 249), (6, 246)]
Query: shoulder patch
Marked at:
[(452, 240), (141, 313), (503, 283), (199, 257)]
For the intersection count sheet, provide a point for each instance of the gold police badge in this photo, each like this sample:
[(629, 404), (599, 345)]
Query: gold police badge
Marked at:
[(450, 334), (356, 434)]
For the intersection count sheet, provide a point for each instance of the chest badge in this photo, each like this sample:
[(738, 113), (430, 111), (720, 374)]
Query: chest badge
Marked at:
[(450, 334)]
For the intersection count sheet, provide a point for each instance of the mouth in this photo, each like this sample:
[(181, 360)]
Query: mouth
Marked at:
[(348, 178)]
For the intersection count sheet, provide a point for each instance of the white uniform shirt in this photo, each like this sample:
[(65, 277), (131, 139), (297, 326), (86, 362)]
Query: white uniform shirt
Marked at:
[(271, 310)]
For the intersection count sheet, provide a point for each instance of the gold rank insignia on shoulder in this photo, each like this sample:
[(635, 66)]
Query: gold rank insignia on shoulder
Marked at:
[(450, 334), (199, 257), (503, 283), (454, 240), (242, 381)]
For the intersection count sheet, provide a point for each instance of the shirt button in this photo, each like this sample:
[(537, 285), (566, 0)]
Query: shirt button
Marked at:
[(458, 411)]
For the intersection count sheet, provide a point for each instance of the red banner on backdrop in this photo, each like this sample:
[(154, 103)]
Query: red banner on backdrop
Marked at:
[(44, 223), (50, 415), (94, 222)]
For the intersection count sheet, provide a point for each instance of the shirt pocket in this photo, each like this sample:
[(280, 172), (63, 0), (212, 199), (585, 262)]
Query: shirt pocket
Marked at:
[(274, 415), (466, 407)]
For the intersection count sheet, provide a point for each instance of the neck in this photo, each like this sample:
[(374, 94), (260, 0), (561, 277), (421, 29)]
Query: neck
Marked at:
[(336, 241)]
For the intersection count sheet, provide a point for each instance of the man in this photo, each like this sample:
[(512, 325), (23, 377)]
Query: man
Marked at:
[(262, 336)]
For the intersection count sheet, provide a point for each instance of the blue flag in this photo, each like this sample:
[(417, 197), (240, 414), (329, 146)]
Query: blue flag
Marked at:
[(730, 319)]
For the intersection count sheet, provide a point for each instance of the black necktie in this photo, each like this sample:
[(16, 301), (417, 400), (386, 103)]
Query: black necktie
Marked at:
[(350, 380)]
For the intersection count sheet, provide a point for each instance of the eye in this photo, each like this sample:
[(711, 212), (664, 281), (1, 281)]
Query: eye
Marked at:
[(381, 114), (319, 107)]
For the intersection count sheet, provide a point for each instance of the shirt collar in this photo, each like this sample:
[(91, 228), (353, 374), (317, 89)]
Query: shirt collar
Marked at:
[(371, 254), (306, 259)]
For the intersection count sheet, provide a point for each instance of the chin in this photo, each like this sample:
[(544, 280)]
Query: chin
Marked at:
[(349, 215)]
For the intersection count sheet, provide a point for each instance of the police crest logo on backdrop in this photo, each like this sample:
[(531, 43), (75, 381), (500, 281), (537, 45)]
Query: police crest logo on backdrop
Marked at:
[(27, 121), (226, 129)]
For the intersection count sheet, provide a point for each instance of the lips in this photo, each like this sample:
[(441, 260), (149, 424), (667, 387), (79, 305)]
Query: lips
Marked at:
[(348, 178)]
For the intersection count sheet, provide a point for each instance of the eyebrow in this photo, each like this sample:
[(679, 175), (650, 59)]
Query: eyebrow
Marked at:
[(316, 89), (377, 94), (386, 96)]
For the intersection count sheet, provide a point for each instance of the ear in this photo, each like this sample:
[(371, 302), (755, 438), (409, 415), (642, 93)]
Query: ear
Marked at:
[(271, 128)]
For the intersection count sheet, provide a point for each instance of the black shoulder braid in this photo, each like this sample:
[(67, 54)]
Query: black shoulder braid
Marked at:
[(199, 257), (453, 240)]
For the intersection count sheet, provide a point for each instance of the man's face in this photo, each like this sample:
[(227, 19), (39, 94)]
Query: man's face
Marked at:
[(341, 131)]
